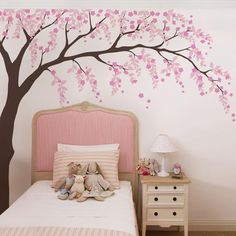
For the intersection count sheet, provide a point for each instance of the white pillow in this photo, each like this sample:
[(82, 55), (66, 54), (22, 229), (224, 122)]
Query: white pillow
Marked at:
[(87, 148)]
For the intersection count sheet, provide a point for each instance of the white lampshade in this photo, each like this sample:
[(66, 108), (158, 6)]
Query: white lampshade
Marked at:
[(162, 144)]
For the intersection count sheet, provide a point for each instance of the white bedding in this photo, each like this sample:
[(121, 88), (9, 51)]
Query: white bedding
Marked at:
[(39, 206)]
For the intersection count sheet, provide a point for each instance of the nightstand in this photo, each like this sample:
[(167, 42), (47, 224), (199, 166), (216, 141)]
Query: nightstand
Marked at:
[(164, 202)]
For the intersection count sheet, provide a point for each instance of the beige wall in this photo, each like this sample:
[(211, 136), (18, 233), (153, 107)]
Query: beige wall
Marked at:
[(204, 135)]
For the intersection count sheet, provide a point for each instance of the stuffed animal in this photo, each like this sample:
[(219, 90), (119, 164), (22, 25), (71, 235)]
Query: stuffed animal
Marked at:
[(78, 187), (143, 167), (96, 186), (65, 183), (153, 167)]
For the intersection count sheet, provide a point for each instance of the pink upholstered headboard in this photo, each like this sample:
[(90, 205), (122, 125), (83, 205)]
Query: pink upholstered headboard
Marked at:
[(84, 124)]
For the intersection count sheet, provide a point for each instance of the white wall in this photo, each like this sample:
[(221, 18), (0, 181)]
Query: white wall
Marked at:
[(204, 135)]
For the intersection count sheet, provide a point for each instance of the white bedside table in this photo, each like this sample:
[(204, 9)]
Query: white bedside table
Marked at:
[(164, 202)]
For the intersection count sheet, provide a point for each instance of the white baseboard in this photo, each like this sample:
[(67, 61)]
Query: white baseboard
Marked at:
[(212, 225)]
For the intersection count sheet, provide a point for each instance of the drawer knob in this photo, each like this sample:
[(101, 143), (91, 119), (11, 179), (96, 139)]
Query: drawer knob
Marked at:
[(174, 187), (174, 213), (156, 199), (174, 199), (156, 187), (155, 213)]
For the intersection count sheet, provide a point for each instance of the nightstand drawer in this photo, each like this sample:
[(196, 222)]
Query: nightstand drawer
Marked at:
[(169, 199), (165, 214), (165, 188)]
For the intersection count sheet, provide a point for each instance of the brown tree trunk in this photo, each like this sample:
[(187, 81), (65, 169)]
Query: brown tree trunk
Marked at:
[(4, 182), (7, 121)]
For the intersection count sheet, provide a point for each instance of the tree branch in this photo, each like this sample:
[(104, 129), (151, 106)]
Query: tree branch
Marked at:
[(213, 82), (66, 34), (41, 28), (123, 34), (77, 63), (185, 57), (6, 59), (90, 21), (165, 58), (24, 31), (64, 50), (108, 64), (41, 59), (181, 50), (194, 65), (172, 37), (83, 35)]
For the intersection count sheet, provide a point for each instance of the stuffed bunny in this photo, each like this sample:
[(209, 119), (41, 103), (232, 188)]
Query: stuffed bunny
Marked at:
[(78, 187), (96, 186), (65, 183), (153, 167)]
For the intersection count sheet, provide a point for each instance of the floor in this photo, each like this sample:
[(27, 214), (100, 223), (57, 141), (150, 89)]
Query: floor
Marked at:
[(198, 233)]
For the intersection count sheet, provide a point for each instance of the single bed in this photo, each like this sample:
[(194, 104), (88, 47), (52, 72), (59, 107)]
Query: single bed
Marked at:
[(39, 212)]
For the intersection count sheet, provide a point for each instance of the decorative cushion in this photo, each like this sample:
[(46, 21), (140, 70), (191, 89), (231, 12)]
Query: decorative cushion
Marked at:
[(107, 161)]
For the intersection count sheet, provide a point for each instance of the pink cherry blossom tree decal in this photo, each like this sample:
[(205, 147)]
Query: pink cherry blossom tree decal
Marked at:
[(166, 44)]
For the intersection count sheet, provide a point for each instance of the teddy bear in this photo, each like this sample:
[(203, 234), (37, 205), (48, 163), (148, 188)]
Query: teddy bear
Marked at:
[(78, 187), (95, 184), (153, 167), (64, 184), (143, 167)]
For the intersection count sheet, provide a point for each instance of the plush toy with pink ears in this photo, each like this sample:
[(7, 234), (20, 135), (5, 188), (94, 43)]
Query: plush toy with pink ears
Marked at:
[(153, 167), (143, 167)]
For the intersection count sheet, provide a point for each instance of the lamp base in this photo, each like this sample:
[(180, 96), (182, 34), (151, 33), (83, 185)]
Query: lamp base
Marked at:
[(163, 173)]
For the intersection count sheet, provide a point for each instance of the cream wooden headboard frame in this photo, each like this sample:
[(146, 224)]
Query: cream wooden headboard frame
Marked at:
[(86, 107)]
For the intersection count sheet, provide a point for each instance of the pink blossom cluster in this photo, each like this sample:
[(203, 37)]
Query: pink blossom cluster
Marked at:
[(102, 31), (134, 22), (73, 19), (133, 68), (199, 79), (202, 37), (112, 17), (7, 17), (150, 63), (79, 76), (173, 68), (61, 87), (105, 20), (30, 20), (116, 79), (84, 77), (196, 53), (33, 48), (217, 76)]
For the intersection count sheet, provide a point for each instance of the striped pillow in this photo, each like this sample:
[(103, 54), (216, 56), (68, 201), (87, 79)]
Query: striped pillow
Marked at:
[(107, 161)]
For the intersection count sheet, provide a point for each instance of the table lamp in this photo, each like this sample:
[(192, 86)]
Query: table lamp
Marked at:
[(162, 145)]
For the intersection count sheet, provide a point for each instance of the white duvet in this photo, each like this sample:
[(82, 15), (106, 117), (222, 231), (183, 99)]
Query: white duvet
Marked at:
[(39, 206)]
